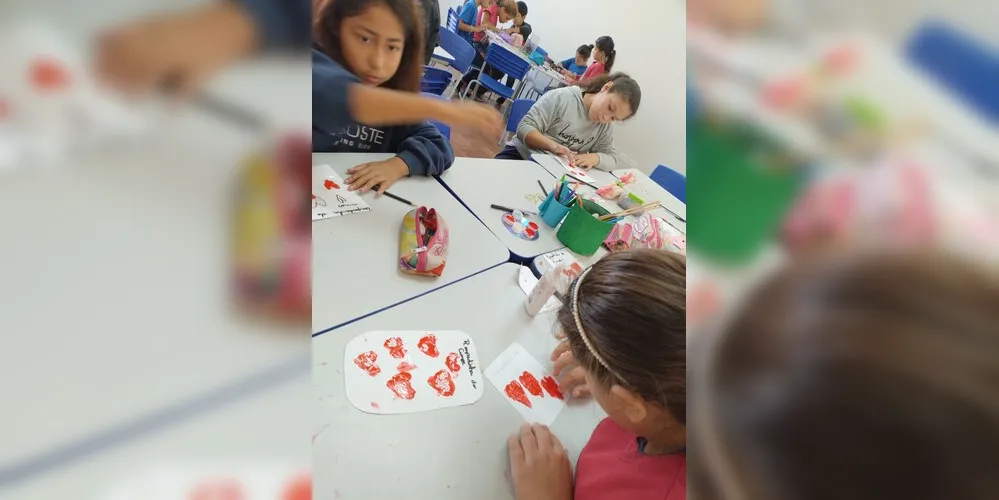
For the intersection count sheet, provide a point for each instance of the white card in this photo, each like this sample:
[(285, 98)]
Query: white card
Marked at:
[(388, 372), (528, 281), (554, 259), (330, 197), (245, 482), (579, 173), (531, 390)]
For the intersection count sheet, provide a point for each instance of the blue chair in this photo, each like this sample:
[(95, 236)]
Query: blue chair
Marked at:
[(444, 129), (518, 109), (507, 62), (435, 80), (460, 50), (965, 66), (672, 181), (452, 20)]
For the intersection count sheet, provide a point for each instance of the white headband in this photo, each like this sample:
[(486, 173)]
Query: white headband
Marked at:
[(579, 325)]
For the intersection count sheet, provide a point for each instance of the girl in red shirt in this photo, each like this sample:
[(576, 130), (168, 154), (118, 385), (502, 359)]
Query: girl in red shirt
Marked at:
[(624, 326), (603, 58)]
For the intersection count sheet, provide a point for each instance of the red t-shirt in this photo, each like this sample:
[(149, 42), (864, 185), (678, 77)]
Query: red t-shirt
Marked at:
[(595, 69), (611, 468), (491, 14)]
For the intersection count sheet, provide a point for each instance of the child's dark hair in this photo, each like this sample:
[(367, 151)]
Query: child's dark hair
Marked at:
[(866, 376), (632, 308), (585, 50), (522, 8), (606, 45), (623, 85), (327, 37)]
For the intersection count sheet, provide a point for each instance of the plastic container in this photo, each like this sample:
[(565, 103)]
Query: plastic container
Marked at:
[(583, 233), (552, 212)]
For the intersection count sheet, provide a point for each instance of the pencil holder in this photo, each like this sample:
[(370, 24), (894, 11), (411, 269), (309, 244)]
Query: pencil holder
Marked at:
[(583, 233), (552, 212)]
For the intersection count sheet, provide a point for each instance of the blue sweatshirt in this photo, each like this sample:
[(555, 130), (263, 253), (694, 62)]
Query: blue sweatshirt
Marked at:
[(570, 64), (469, 14), (424, 149), (281, 23)]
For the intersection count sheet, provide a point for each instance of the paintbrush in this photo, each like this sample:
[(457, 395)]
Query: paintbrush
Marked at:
[(581, 180), (397, 198), (542, 186), (630, 211)]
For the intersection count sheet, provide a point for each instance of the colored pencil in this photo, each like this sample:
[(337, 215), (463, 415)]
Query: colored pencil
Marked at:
[(398, 198), (581, 180), (542, 186)]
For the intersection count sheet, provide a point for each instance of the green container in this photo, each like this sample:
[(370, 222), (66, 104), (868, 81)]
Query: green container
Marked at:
[(581, 232)]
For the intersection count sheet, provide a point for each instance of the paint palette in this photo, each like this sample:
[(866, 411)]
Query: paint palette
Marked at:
[(521, 226)]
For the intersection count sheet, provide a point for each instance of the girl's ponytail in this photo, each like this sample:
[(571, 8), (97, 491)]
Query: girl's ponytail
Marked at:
[(609, 65), (606, 45)]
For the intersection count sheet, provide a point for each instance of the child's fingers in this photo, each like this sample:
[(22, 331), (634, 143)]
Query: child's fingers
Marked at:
[(384, 185), (581, 391), (572, 378), (355, 174), (355, 169), (372, 181), (360, 180), (563, 357), (515, 450), (527, 439), (559, 349), (543, 437)]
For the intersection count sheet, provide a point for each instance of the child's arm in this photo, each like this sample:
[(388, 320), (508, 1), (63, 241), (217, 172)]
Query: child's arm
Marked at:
[(608, 156), (538, 120), (420, 150), (281, 23)]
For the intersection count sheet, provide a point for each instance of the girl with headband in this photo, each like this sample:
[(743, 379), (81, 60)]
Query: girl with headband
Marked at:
[(624, 324)]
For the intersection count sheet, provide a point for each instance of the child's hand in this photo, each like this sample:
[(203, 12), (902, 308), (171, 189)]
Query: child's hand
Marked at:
[(481, 118), (587, 161), (563, 151), (183, 49), (378, 173), (574, 381), (539, 465)]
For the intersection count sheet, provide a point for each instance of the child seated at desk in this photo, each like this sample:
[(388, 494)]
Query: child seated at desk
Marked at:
[(577, 122), (635, 366), (575, 67), (378, 43)]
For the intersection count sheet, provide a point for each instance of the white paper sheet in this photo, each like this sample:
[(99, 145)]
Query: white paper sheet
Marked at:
[(580, 173), (330, 197), (523, 382), (388, 372), (528, 281)]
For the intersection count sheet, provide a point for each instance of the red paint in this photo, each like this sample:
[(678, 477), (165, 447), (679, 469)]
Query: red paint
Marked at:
[(401, 386), (298, 488), (395, 347), (428, 345), (375, 405), (515, 392), (405, 367), (313, 197), (442, 383), (452, 362), (551, 387), (330, 184), (531, 384), (218, 489), (366, 362), (47, 74), (530, 232)]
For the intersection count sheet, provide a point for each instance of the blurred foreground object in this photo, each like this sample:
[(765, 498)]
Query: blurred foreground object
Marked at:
[(217, 483), (272, 238), (861, 376), (51, 106)]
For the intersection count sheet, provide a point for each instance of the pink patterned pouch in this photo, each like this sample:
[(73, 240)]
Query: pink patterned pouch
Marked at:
[(423, 242)]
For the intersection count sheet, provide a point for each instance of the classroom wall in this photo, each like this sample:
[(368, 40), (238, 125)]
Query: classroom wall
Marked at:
[(650, 37)]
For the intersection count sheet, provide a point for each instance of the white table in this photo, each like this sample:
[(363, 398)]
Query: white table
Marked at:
[(455, 453), (269, 429), (440, 53), (115, 283), (355, 269), (648, 190), (480, 183)]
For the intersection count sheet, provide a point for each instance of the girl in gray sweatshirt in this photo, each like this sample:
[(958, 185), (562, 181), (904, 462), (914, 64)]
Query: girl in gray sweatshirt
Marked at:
[(578, 122)]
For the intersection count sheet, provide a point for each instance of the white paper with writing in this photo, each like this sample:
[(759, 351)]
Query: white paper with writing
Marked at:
[(579, 173), (389, 372), (330, 197), (526, 385)]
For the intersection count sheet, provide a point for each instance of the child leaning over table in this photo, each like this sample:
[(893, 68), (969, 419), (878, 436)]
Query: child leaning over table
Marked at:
[(635, 366), (378, 44), (577, 122)]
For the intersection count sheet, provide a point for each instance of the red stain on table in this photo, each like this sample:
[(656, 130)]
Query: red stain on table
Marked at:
[(395, 347), (330, 184), (428, 346), (551, 387), (452, 362), (218, 489), (400, 385), (515, 392), (405, 367), (366, 362), (531, 384), (47, 75), (375, 405), (298, 488), (442, 383)]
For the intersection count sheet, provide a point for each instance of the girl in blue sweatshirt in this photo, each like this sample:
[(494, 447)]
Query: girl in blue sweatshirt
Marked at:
[(376, 43)]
